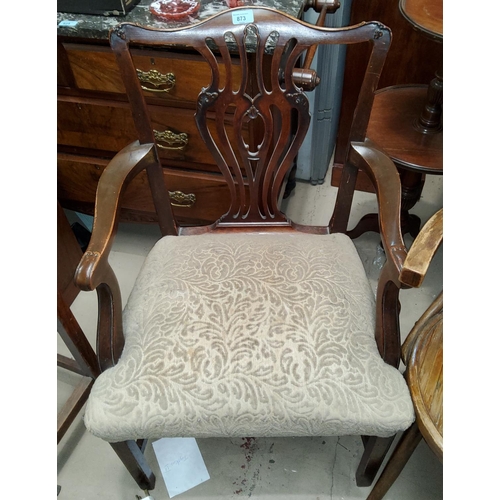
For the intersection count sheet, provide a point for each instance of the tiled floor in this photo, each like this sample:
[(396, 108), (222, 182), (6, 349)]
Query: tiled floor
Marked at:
[(299, 468)]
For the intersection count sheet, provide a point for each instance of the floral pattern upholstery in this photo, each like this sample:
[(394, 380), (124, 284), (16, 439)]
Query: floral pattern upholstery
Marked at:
[(250, 335)]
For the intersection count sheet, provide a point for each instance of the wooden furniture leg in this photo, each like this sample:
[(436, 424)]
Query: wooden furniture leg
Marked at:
[(131, 453), (84, 363), (367, 223), (412, 184), (402, 453), (376, 449)]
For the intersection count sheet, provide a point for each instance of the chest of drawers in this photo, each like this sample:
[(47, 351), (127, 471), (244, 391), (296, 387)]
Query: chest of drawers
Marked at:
[(94, 119), (95, 122)]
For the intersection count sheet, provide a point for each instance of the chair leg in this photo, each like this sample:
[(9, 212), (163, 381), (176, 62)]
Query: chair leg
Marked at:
[(133, 458), (403, 451), (376, 449)]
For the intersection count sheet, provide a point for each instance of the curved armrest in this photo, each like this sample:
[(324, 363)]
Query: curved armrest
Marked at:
[(421, 252), (385, 178), (93, 269)]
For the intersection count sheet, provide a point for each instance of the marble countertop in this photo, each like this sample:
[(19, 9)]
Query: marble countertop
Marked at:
[(97, 27)]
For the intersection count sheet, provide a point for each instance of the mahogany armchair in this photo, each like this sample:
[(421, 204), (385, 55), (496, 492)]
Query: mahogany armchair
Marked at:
[(254, 325)]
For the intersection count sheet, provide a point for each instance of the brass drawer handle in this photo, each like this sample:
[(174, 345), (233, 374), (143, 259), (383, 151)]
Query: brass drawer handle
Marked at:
[(177, 142), (180, 199), (156, 79)]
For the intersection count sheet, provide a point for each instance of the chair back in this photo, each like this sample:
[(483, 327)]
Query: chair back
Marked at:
[(253, 120)]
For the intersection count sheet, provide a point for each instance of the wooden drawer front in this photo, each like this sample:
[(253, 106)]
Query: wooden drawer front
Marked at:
[(96, 69), (102, 127), (204, 197), (108, 126)]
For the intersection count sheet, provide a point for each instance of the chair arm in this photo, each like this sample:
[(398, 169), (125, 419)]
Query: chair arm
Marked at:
[(385, 178), (93, 268), (422, 251)]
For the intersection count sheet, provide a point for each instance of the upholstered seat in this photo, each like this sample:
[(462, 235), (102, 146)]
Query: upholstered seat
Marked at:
[(250, 334)]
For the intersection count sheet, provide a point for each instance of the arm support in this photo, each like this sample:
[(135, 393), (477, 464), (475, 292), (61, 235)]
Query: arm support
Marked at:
[(93, 271), (93, 267), (385, 178)]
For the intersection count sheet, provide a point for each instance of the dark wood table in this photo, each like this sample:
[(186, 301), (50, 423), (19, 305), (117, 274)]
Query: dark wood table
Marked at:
[(406, 122), (425, 15)]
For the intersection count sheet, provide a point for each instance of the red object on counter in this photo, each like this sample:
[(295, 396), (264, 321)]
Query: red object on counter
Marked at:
[(173, 10)]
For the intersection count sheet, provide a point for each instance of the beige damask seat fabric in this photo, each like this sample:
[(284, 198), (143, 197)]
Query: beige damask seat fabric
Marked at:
[(250, 335)]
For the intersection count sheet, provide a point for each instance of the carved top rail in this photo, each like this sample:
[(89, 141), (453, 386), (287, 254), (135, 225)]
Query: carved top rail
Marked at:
[(265, 92)]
